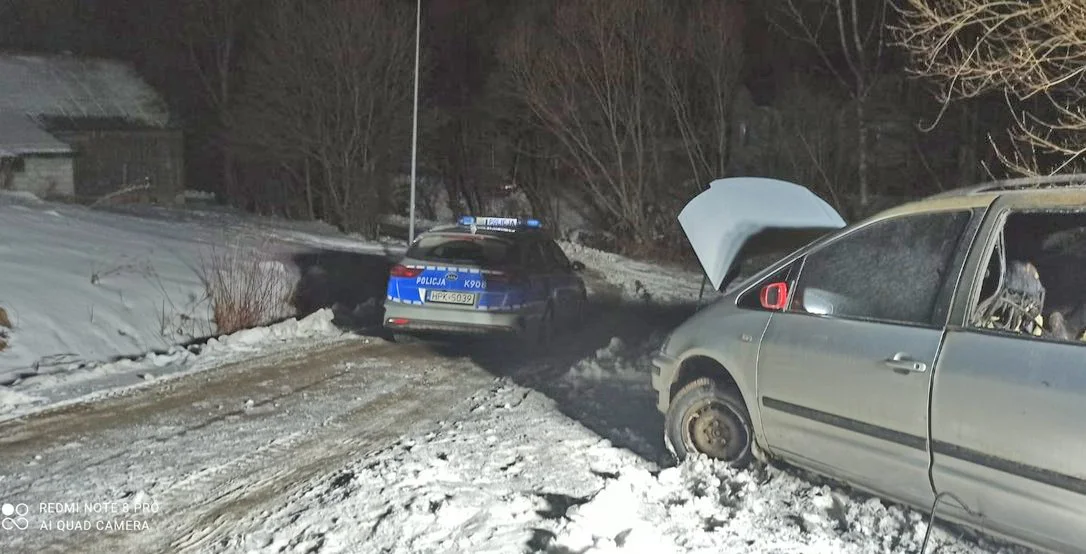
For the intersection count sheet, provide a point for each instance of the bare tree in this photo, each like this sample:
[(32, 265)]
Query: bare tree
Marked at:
[(459, 40), (211, 34), (327, 87), (586, 78), (1033, 52), (807, 146), (857, 33), (700, 69), (634, 98)]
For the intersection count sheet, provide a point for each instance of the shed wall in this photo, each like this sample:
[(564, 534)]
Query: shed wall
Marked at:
[(45, 176), (110, 160)]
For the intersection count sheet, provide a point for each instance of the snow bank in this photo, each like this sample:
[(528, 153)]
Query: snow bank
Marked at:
[(512, 474), (85, 285), (332, 240), (317, 324), (405, 221), (11, 400), (617, 361), (637, 280), (82, 285), (33, 392), (190, 195), (705, 506)]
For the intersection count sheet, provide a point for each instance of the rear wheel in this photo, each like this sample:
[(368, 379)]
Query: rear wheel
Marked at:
[(545, 332), (580, 308), (707, 418), (405, 338)]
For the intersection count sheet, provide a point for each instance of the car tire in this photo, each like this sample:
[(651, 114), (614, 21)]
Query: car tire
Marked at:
[(405, 338), (707, 418), (545, 333), (579, 311)]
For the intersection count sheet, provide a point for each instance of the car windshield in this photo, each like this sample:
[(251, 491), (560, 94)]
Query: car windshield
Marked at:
[(482, 250)]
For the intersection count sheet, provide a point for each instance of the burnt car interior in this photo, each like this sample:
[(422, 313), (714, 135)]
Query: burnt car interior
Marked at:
[(1034, 283)]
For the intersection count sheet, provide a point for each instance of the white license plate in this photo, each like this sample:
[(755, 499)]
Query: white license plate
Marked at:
[(447, 297)]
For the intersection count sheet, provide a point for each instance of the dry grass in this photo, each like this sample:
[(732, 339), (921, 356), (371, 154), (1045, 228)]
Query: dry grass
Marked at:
[(244, 290), (5, 328)]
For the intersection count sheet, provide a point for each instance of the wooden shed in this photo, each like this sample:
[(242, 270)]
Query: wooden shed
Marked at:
[(85, 128)]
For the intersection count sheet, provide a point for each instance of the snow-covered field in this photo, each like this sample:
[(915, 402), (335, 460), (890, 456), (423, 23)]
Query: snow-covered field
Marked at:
[(83, 285), (640, 281), (100, 299)]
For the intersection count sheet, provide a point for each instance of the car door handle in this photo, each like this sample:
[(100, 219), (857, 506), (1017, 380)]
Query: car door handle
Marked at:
[(902, 363)]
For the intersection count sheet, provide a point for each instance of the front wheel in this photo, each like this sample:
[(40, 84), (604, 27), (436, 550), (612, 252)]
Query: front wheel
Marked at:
[(707, 418)]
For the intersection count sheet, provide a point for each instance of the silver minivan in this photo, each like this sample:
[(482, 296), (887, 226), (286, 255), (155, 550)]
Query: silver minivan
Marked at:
[(932, 354)]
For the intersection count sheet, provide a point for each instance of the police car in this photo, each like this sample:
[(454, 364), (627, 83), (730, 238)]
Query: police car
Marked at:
[(484, 275)]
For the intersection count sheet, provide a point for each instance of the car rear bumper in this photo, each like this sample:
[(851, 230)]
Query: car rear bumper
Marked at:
[(405, 317), (663, 375)]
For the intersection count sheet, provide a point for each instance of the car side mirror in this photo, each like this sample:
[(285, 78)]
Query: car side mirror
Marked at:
[(576, 266), (774, 296)]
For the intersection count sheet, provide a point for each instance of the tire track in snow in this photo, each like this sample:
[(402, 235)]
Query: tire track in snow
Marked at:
[(280, 420), (140, 443), (414, 404)]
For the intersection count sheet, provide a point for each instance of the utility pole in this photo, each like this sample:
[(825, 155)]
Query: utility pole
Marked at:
[(415, 125)]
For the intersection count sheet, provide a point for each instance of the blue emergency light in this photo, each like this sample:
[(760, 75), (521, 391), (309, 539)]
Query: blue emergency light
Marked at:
[(499, 222)]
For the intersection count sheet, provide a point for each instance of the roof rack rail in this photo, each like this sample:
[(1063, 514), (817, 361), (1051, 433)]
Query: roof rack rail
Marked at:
[(1042, 181), (1069, 180)]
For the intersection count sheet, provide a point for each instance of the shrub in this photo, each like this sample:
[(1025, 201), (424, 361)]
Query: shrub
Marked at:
[(245, 290), (5, 328)]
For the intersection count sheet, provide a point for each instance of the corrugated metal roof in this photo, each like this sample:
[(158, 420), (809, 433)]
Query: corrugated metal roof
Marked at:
[(72, 87), (20, 135)]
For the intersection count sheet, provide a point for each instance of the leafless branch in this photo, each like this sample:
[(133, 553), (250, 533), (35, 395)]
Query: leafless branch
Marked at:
[(1032, 52), (625, 86), (328, 82), (855, 32)]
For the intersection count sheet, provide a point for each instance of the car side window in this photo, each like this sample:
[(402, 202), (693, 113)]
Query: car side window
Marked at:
[(537, 260), (556, 256), (890, 270), (1032, 284)]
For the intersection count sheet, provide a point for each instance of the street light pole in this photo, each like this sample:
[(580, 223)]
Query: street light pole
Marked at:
[(415, 125)]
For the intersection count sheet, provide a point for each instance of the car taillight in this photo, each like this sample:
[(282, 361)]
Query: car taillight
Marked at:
[(404, 271)]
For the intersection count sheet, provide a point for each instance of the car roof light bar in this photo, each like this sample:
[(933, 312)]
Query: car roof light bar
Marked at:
[(499, 222)]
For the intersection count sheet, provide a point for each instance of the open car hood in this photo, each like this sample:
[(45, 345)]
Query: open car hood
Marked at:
[(752, 215)]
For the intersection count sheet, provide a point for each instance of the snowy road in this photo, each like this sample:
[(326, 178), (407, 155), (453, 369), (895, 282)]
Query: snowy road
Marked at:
[(367, 446), (203, 450)]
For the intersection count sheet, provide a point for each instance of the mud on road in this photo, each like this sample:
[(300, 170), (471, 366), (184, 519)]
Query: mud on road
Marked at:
[(203, 450)]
